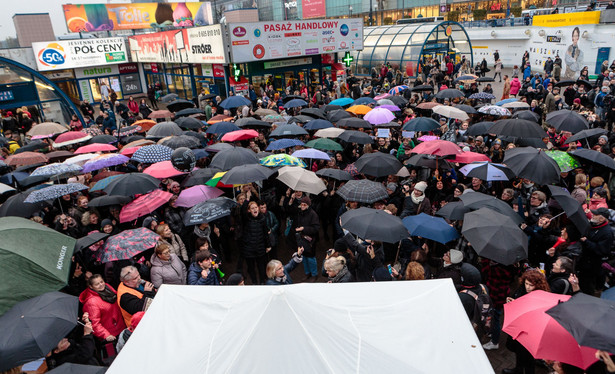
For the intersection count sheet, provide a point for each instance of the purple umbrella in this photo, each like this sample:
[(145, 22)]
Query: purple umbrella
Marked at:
[(311, 153), (197, 194), (392, 108), (379, 115), (104, 161)]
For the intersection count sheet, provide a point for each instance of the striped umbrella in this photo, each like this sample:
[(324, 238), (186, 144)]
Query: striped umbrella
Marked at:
[(152, 153), (144, 205), (398, 89), (54, 191), (127, 244)]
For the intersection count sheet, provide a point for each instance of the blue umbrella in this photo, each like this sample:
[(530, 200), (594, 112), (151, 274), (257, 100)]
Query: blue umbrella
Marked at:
[(222, 128), (151, 154), (295, 103), (608, 294), (234, 102), (13, 177), (482, 96), (54, 191), (342, 101), (429, 227), (101, 184), (317, 124), (364, 101), (57, 169), (506, 101), (283, 143)]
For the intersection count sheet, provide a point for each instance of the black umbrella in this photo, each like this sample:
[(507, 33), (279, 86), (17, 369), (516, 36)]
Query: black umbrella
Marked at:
[(15, 206), (476, 200), (33, 181), (219, 147), (565, 83), (189, 123), (288, 130), (182, 141), (378, 164), (421, 124), (209, 210), (519, 128), (573, 209), (428, 161), (29, 167), (169, 98), (355, 123), (188, 112), (32, 328), (199, 136), (107, 200), (32, 146), (388, 125), (337, 174), (363, 191), (245, 174), (495, 236), (226, 160), (454, 211), (288, 98), (300, 119), (58, 156), (354, 136), (132, 184), (337, 115), (164, 129), (485, 79), (313, 112), (200, 176), (329, 107), (584, 134), (590, 320), (449, 93), (529, 142), (466, 108), (567, 120), (374, 224), (69, 368), (527, 115), (422, 87), (250, 122), (398, 100), (89, 240), (533, 164), (595, 157), (480, 128), (317, 124), (179, 104), (583, 82), (132, 138), (102, 139)]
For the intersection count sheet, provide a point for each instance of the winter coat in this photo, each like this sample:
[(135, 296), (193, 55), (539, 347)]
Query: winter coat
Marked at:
[(365, 264), (308, 219), (177, 246), (195, 278), (558, 283), (106, 317), (515, 86), (254, 236), (167, 272), (288, 268), (598, 245)]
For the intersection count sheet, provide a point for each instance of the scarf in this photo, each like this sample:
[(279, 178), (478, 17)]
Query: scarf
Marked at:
[(417, 199), (340, 275), (107, 295), (202, 233), (281, 280)]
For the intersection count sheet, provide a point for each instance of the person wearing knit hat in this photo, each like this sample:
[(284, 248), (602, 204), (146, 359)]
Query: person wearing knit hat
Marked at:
[(306, 200), (416, 202), (451, 267), (106, 226)]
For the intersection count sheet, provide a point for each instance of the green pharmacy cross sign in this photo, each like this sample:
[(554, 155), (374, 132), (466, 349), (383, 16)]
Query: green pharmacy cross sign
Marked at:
[(236, 72), (348, 59)]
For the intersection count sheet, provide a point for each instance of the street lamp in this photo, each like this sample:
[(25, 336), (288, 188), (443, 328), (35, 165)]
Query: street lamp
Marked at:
[(376, 11), (371, 13), (350, 8)]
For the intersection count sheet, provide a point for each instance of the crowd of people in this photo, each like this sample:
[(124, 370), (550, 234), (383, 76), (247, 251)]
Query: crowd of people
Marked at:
[(274, 230)]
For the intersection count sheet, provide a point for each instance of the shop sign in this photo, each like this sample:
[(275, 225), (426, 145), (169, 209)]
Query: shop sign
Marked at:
[(67, 54), (59, 74), (98, 71), (128, 68), (208, 70), (86, 92), (218, 71), (567, 19), (285, 63), (154, 68), (6, 95), (262, 41), (554, 39), (105, 17), (313, 9), (194, 45), (130, 84)]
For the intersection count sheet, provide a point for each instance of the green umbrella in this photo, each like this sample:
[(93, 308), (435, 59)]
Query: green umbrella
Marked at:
[(35, 260), (324, 144), (564, 160)]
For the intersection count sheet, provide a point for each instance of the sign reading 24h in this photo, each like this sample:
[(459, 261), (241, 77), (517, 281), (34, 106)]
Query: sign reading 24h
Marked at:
[(79, 53)]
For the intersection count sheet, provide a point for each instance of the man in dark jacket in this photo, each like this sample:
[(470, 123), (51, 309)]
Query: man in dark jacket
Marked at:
[(255, 239), (596, 246), (369, 257), (306, 225), (558, 279)]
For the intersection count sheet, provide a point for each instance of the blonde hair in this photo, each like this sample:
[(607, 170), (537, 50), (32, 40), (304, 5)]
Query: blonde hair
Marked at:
[(335, 264), (580, 179), (270, 271)]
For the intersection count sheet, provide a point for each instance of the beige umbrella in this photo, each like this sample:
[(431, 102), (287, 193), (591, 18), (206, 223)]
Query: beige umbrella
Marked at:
[(516, 105), (47, 129), (300, 179), (450, 112), (263, 112), (331, 132)]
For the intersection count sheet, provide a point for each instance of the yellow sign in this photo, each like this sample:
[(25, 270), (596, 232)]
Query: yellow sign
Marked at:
[(567, 19)]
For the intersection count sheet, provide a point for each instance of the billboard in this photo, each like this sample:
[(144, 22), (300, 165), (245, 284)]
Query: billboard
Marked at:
[(132, 16), (194, 45), (69, 54), (313, 9), (275, 40)]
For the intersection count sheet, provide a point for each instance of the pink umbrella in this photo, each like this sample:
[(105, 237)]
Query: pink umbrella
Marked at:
[(379, 115), (382, 96), (470, 157), (197, 194), (238, 135), (438, 148), (71, 137), (428, 138), (163, 169), (129, 151), (144, 204), (525, 321), (96, 147)]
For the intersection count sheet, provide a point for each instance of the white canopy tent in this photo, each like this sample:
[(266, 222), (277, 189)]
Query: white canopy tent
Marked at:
[(378, 327)]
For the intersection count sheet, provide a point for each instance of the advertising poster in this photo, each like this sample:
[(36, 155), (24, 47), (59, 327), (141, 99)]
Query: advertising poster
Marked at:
[(133, 16), (79, 53), (313, 9), (277, 40)]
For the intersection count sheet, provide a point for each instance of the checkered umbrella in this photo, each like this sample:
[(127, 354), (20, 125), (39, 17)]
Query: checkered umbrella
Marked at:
[(127, 244), (152, 153), (144, 205), (363, 191), (54, 191), (57, 169)]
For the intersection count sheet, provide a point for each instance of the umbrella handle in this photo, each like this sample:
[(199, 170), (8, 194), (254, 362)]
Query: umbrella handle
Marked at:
[(397, 254)]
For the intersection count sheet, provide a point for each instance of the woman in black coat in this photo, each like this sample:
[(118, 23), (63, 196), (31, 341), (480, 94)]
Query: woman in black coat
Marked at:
[(255, 241)]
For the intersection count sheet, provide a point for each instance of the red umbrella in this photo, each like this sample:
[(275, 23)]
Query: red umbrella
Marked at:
[(144, 205), (71, 137), (129, 151), (525, 320), (163, 169), (470, 157), (25, 158), (96, 147), (161, 114), (235, 136), (438, 148)]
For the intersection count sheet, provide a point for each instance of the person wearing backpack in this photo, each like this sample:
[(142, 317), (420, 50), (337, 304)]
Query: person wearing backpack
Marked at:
[(475, 298), (498, 279), (531, 280), (558, 279)]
